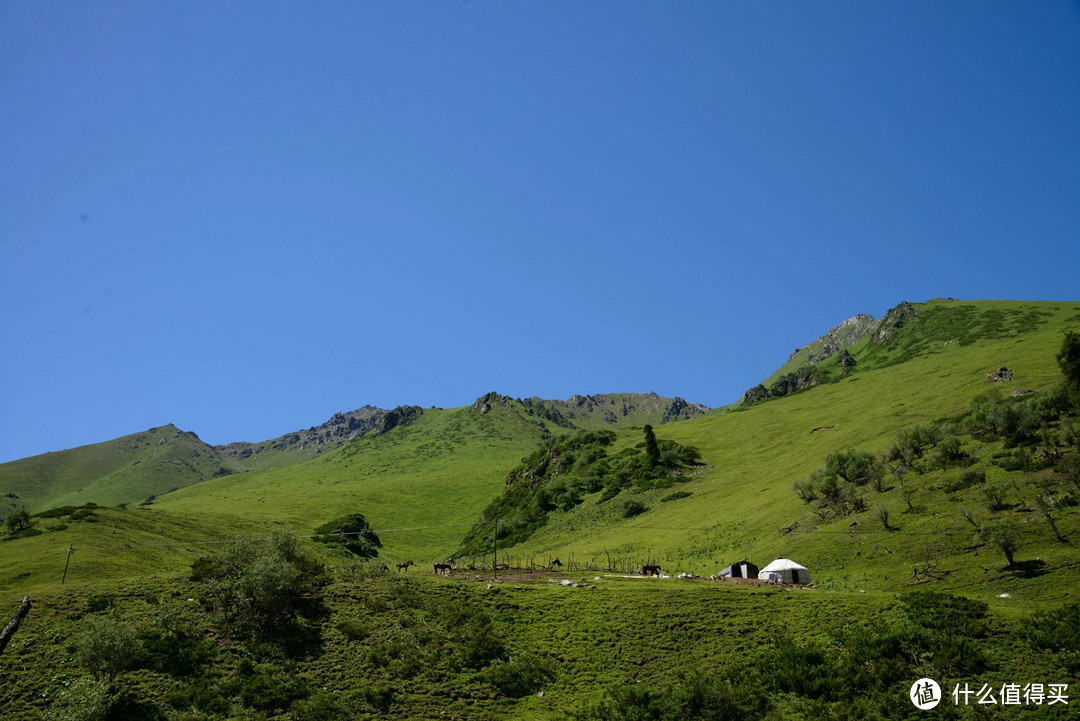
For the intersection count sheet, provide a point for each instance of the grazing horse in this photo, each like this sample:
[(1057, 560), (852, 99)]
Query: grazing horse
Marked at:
[(404, 566), (556, 562), (439, 567), (650, 569), (381, 568)]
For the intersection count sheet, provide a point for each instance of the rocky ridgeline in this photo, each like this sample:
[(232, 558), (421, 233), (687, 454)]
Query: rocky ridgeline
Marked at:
[(836, 341), (340, 429), (602, 410), (847, 334)]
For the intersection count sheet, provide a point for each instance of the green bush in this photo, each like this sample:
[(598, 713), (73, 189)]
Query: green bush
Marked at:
[(351, 532), (354, 628), (260, 586), (1056, 631), (967, 478), (995, 495), (517, 678), (632, 508), (108, 647), (728, 697), (86, 699)]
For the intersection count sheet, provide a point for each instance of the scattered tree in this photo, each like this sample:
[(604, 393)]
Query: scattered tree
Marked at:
[(968, 516), (1044, 506), (652, 448), (17, 521), (994, 493), (883, 516), (1069, 360), (1003, 536)]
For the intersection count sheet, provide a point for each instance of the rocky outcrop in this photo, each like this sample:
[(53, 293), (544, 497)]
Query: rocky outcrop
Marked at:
[(340, 429), (680, 410), (603, 410), (848, 333), (893, 321), (400, 416), (847, 362), (800, 380)]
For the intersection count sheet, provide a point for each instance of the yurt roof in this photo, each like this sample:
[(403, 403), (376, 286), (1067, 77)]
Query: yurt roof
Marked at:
[(783, 564)]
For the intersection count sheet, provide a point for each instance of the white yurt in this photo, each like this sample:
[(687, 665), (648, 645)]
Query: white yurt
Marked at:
[(784, 570)]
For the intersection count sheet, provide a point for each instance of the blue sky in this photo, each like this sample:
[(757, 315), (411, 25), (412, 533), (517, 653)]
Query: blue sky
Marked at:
[(241, 218)]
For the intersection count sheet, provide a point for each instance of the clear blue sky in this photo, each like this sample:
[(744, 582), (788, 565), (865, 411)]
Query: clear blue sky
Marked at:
[(242, 217)]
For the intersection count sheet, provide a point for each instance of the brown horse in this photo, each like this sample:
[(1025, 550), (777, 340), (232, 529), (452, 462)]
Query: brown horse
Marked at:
[(381, 568), (650, 569), (404, 565), (440, 567)]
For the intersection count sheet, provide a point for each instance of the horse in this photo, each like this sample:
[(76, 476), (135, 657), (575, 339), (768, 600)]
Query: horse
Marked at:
[(650, 569), (404, 566), (381, 568), (556, 562), (439, 567)]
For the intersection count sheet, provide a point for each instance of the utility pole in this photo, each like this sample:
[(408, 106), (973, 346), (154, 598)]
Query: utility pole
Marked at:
[(496, 566), (71, 550)]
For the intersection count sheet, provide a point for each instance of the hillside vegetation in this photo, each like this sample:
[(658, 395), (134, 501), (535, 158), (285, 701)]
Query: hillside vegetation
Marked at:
[(124, 470), (932, 488), (743, 504)]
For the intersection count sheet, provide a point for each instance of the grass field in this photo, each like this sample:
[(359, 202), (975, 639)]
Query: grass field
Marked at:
[(426, 647)]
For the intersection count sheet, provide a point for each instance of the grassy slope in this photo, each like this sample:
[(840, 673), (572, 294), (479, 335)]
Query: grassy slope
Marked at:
[(123, 470), (450, 463), (599, 638), (114, 544), (438, 472), (743, 497)]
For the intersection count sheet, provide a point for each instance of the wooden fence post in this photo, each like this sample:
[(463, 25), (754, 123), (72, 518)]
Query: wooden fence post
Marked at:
[(14, 624)]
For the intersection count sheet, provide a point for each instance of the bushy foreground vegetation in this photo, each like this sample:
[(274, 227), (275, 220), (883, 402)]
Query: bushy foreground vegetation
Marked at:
[(392, 646)]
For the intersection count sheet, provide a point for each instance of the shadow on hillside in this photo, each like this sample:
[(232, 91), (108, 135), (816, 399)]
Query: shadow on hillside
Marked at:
[(304, 637), (1029, 569)]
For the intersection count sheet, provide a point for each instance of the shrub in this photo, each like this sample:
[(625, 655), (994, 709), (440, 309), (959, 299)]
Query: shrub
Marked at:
[(1057, 631), (260, 585), (728, 697), (354, 628), (271, 688), (632, 508), (995, 495), (967, 478), (108, 647), (86, 699), (351, 532), (517, 678), (676, 496)]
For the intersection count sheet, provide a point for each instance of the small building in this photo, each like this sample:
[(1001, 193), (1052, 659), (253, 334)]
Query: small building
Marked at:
[(740, 569), (784, 570)]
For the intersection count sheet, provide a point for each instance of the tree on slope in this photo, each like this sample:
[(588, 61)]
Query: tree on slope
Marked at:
[(652, 448), (1069, 360)]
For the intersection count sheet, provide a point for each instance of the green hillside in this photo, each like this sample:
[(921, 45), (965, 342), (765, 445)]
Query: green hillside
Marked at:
[(875, 479), (124, 470), (742, 503)]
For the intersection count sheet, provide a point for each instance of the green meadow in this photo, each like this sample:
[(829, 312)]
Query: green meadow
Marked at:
[(909, 580)]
